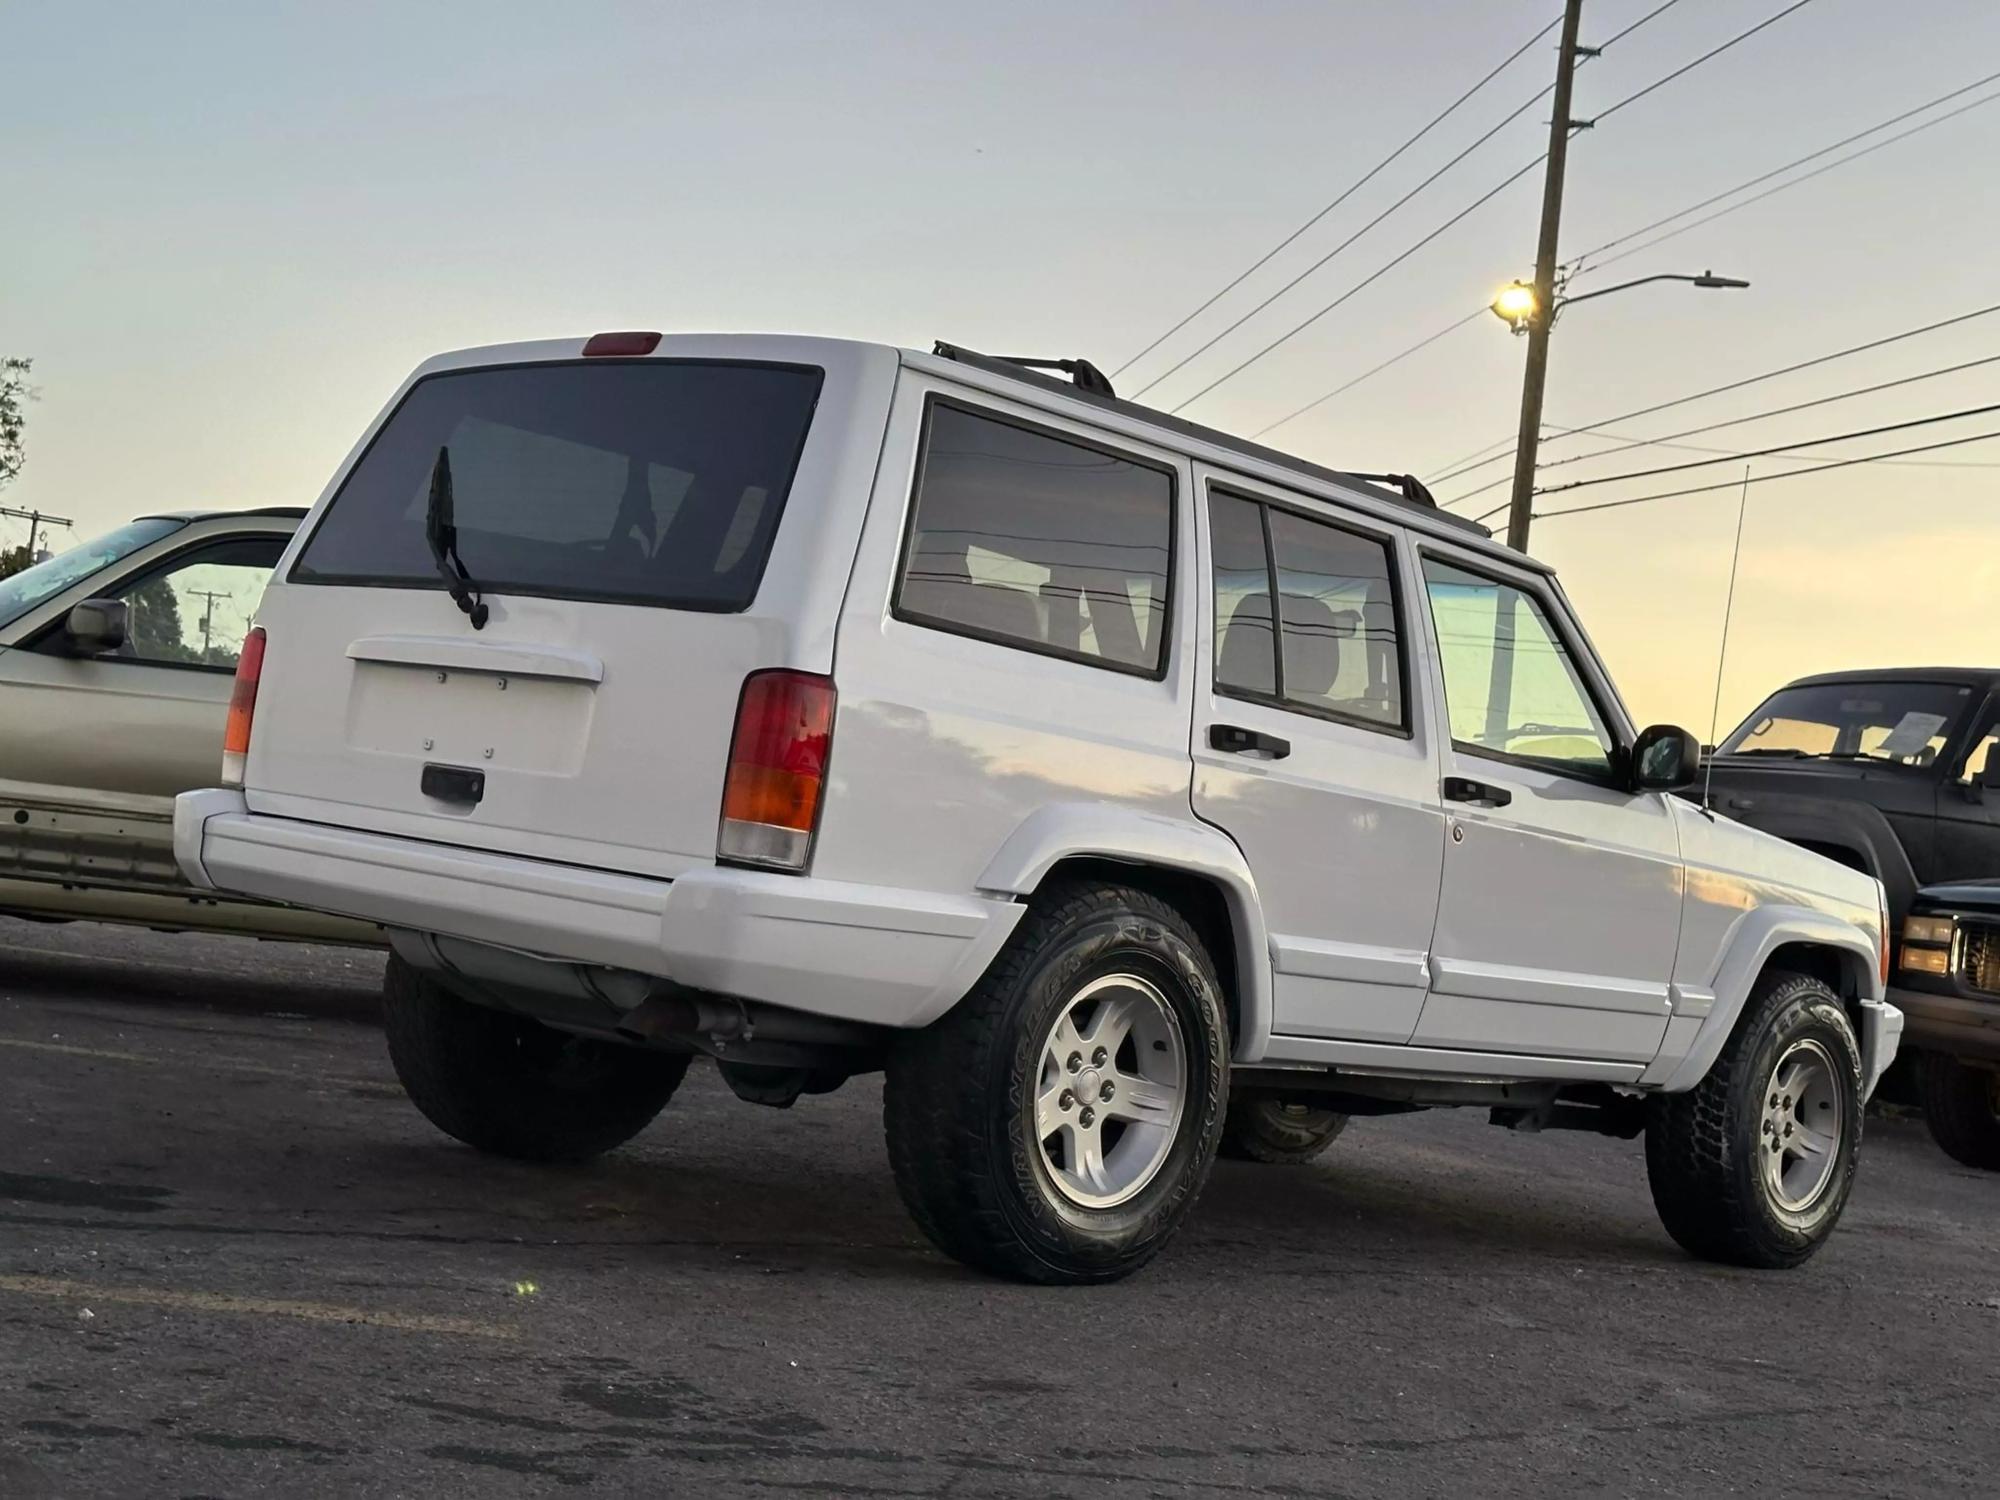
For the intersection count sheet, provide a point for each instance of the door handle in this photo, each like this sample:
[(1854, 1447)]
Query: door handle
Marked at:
[(1478, 793), (1239, 741)]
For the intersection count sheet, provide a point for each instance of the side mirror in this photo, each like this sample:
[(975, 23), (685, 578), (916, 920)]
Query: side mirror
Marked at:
[(1665, 758), (1989, 774), (96, 626)]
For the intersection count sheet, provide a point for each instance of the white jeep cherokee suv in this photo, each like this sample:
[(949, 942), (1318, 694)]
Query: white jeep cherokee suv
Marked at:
[(1125, 790)]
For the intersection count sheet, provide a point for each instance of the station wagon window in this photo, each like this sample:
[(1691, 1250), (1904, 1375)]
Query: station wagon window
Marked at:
[(1511, 686), (1337, 650), (1039, 540)]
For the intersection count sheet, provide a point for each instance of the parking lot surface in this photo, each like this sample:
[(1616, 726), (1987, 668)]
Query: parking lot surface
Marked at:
[(233, 1260)]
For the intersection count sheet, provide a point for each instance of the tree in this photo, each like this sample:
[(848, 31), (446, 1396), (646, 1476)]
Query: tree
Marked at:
[(15, 394)]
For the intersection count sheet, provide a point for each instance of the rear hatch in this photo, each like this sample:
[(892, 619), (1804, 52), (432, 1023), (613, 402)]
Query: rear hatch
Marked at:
[(642, 532)]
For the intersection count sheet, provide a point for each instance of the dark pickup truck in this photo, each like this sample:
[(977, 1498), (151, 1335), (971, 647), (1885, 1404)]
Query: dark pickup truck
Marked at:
[(1947, 984), (1891, 772), (1896, 773)]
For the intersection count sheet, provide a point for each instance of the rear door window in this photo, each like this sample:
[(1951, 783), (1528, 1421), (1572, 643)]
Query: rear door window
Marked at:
[(1338, 649), (1040, 540), (654, 482)]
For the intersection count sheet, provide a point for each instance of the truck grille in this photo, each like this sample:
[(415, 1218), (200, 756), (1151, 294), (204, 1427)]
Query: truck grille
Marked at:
[(1982, 957)]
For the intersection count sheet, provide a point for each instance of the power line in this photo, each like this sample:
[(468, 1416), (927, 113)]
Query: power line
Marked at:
[(1187, 359), (1577, 510), (1667, 440), (1780, 411), (1736, 385), (1832, 437), (1685, 68), (1772, 192), (1369, 374), (1359, 183), (1577, 262), (1477, 203)]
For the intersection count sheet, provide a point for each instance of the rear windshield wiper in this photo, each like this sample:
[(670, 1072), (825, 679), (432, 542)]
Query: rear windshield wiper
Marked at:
[(442, 534)]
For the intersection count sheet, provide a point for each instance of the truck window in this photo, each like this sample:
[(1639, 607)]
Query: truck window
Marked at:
[(1338, 651), (1510, 685), (1038, 540), (656, 482)]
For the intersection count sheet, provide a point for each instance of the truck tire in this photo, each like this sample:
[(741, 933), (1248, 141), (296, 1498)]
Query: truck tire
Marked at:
[(1753, 1166), (1057, 1125), (1962, 1108), (512, 1086), (1278, 1132)]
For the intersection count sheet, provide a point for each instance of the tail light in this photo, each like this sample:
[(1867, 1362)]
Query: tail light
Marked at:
[(777, 770), (242, 705)]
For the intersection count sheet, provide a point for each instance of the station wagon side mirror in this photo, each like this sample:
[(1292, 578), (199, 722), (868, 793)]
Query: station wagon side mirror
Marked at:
[(1665, 758), (96, 626)]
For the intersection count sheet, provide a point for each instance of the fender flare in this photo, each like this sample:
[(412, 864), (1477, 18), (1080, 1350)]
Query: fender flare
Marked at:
[(1850, 825), (1093, 830), (1763, 931)]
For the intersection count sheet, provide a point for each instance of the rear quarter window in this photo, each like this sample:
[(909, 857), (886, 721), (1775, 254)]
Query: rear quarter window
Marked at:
[(656, 482), (1038, 540)]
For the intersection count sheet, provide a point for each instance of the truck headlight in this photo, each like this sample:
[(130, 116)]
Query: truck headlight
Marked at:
[(1927, 945)]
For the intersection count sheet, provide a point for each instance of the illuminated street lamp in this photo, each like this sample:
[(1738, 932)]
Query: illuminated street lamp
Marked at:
[(1519, 306)]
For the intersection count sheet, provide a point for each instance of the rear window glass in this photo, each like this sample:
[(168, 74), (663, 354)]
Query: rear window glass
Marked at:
[(1036, 540), (649, 482)]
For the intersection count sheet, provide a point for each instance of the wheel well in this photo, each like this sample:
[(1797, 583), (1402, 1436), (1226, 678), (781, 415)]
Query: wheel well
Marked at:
[(1835, 968), (1195, 897)]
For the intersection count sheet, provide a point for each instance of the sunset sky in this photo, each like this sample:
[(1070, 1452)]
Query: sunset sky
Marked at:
[(234, 228)]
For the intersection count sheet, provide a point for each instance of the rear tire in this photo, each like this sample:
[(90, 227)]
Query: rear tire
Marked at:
[(512, 1086), (1753, 1166), (1057, 1125), (1278, 1132), (1962, 1108)]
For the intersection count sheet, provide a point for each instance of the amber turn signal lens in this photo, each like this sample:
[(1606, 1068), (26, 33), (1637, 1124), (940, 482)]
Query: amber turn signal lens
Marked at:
[(777, 769)]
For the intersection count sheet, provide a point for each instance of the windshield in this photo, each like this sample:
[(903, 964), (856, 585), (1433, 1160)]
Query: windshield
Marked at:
[(645, 481), (33, 586), (1897, 723)]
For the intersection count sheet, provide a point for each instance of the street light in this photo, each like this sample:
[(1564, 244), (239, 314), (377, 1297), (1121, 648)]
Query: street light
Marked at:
[(1520, 308)]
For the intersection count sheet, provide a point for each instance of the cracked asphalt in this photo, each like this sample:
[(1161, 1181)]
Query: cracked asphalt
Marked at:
[(234, 1261)]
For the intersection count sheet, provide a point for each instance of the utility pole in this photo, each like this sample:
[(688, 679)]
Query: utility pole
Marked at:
[(208, 612), (34, 518), (1536, 373)]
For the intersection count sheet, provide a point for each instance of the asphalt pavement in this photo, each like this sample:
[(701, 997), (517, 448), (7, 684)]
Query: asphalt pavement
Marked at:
[(235, 1261)]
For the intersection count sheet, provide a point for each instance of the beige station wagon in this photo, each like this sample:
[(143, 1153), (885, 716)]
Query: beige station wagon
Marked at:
[(116, 659)]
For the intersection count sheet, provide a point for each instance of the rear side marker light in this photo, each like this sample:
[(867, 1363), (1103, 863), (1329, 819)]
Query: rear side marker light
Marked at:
[(777, 770), (628, 344), (242, 706)]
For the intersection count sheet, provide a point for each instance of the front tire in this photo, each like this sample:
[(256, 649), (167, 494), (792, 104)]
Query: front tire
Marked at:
[(514, 1087), (1753, 1166), (1057, 1125), (1962, 1108), (1278, 1132)]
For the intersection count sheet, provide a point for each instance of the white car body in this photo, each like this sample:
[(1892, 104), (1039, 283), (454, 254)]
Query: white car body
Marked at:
[(1582, 932)]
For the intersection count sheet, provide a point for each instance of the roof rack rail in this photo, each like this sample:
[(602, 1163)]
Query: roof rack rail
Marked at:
[(1089, 384), (1084, 375)]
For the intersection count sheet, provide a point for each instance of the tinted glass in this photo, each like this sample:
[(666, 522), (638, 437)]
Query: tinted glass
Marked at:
[(197, 610), (1246, 657), (1028, 537), (32, 586), (1339, 620), (1900, 723), (1510, 685), (649, 481)]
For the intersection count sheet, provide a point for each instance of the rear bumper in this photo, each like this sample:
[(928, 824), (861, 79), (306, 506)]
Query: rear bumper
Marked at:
[(862, 953)]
